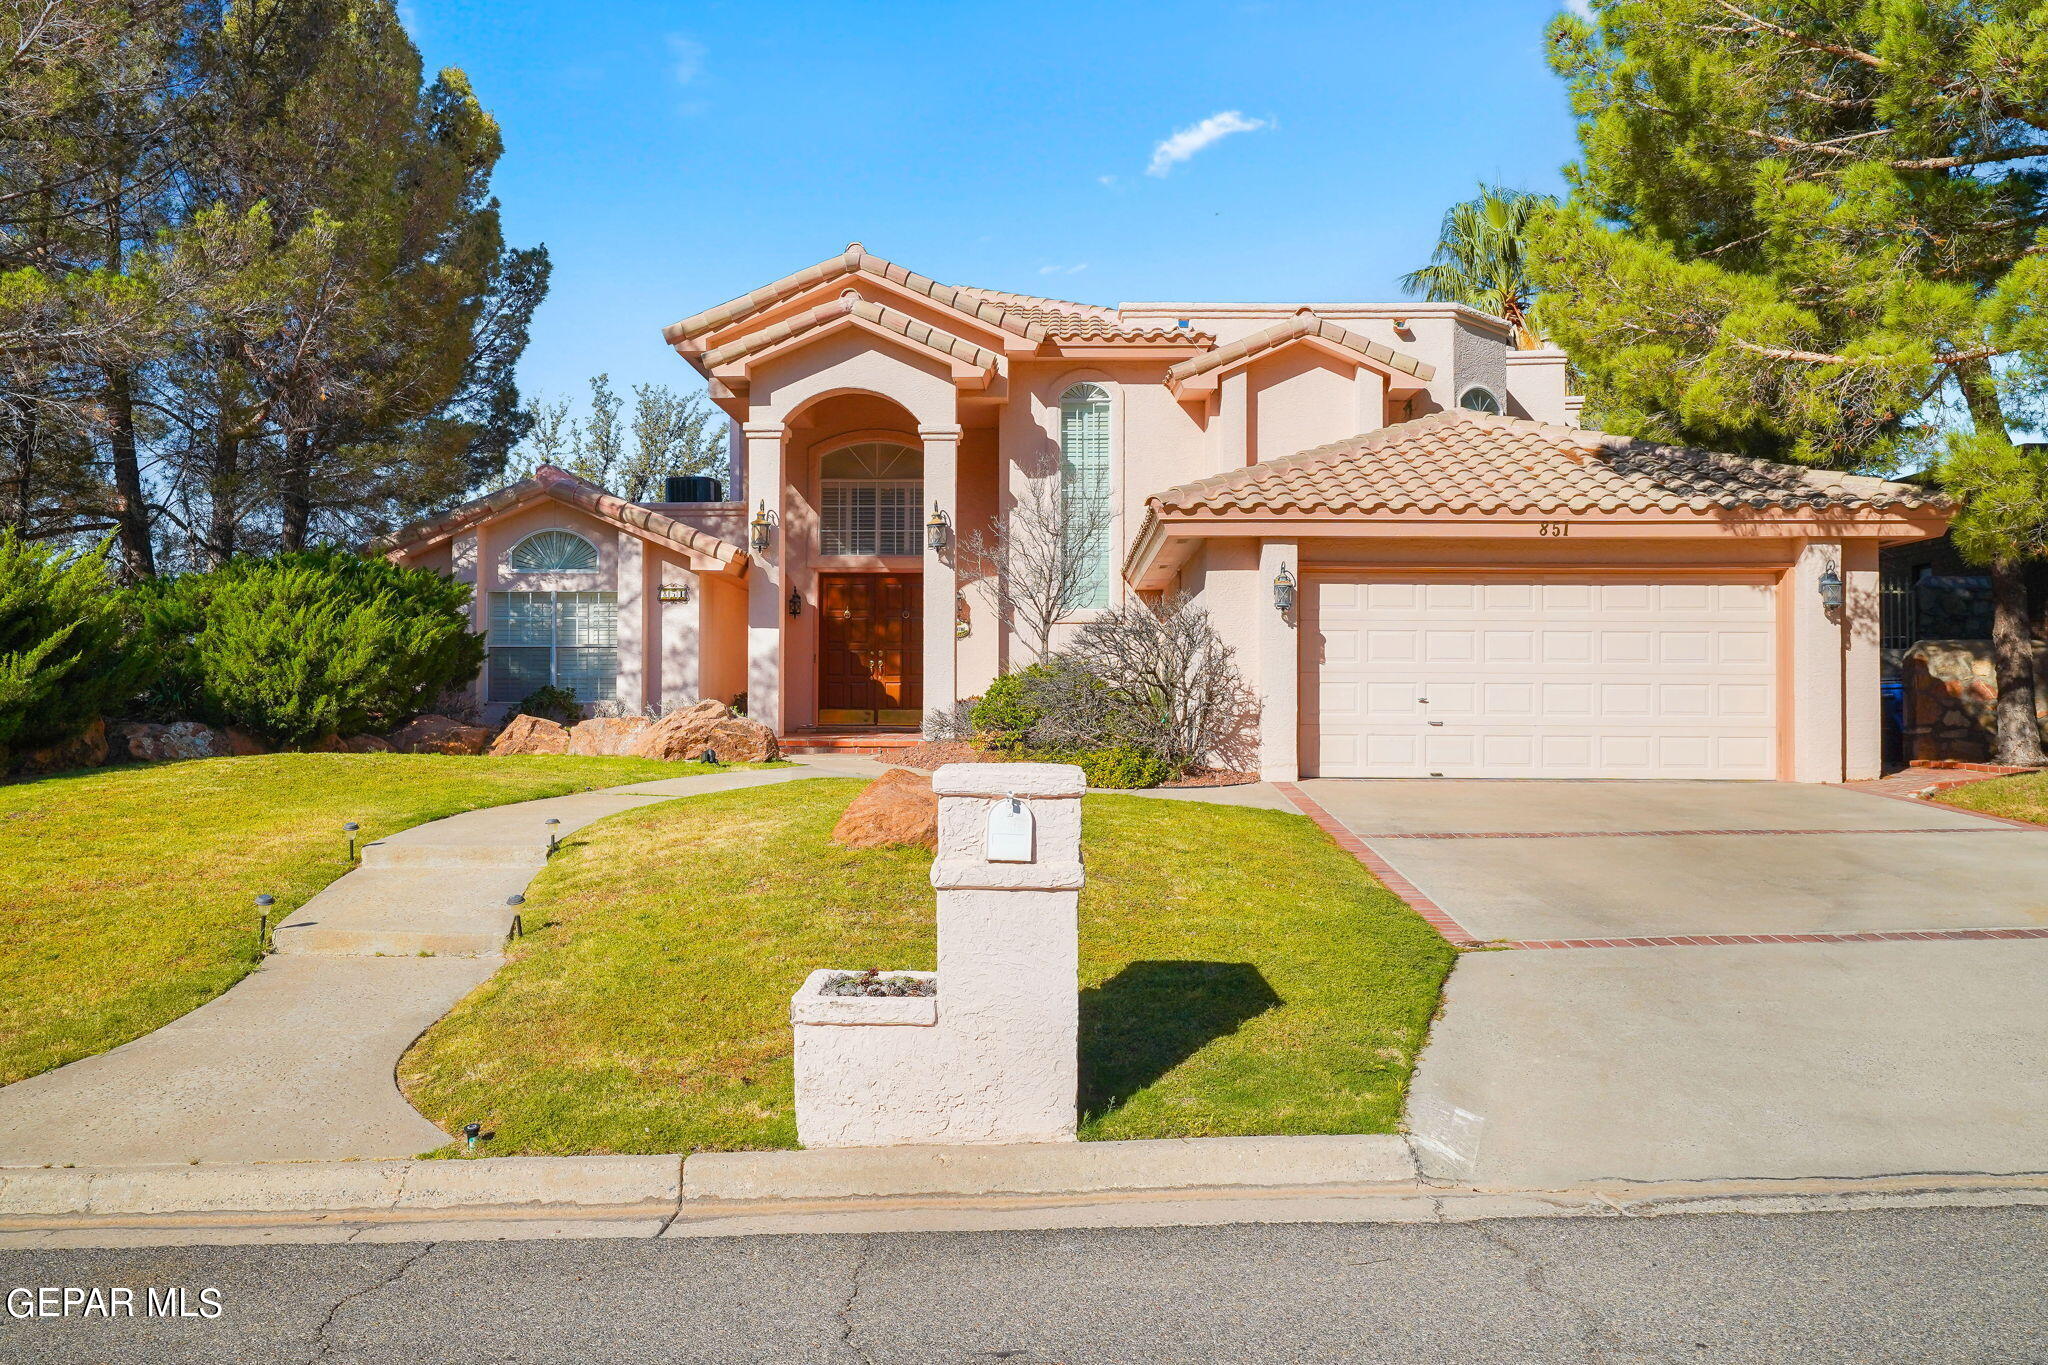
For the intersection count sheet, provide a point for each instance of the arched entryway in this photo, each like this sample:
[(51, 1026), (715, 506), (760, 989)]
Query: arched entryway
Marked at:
[(856, 635)]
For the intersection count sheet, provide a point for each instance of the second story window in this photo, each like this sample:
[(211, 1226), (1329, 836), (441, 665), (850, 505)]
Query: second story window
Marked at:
[(1085, 485), (1477, 399), (871, 500)]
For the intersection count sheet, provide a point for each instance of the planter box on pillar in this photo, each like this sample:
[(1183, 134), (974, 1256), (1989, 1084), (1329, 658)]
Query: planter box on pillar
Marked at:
[(993, 1056)]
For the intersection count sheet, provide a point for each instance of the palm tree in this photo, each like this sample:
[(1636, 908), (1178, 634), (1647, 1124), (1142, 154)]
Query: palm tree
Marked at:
[(1481, 258)]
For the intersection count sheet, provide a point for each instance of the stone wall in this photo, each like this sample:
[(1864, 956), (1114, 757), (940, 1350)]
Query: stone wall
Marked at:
[(1951, 695)]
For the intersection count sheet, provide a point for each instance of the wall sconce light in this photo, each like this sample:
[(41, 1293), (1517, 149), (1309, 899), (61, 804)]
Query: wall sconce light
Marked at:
[(675, 592), (763, 526), (1831, 590), (935, 530), (1283, 591), (796, 603)]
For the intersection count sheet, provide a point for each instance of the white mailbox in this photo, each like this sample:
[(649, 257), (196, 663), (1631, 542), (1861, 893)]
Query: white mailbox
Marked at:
[(1009, 831)]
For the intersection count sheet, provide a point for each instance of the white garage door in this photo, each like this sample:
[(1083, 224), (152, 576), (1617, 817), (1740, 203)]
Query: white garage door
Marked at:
[(1550, 676)]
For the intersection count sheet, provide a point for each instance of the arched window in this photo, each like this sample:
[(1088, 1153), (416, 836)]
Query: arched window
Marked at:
[(870, 498), (552, 552), (1477, 399), (1084, 488)]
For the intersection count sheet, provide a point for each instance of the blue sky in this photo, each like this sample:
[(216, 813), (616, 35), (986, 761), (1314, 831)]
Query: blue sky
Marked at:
[(672, 156)]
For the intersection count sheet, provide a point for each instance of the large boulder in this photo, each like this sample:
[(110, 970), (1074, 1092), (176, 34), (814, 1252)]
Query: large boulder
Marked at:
[(439, 735), (897, 809), (146, 743), (739, 740), (88, 750), (530, 735), (681, 736), (242, 744), (607, 736)]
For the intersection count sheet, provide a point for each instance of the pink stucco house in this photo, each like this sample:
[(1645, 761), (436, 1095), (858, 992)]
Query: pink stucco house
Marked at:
[(1479, 587)]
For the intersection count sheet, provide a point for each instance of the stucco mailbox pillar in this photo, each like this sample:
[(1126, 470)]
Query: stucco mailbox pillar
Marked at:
[(994, 1055)]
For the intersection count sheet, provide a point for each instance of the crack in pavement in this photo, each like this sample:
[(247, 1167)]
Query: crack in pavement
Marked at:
[(320, 1335), (845, 1313), (1599, 1345)]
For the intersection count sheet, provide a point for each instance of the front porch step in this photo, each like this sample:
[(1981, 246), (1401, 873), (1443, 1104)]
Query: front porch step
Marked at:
[(872, 743)]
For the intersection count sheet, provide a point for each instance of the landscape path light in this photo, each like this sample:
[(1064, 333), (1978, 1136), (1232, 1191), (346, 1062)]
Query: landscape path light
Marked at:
[(351, 828)]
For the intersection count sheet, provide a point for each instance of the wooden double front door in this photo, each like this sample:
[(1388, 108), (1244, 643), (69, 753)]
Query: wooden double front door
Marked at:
[(871, 649)]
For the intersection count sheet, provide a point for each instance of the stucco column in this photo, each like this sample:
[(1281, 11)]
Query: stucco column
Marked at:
[(1862, 664), (766, 486), (1812, 668), (631, 689), (464, 567), (1368, 400), (1279, 664), (941, 568)]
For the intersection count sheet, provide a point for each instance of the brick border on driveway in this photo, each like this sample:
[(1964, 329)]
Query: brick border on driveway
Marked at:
[(1439, 919)]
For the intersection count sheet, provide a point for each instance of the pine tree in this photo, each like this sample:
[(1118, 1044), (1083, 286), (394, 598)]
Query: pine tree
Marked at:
[(1796, 225)]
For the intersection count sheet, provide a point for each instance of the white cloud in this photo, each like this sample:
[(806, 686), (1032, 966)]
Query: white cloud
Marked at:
[(686, 57), (1185, 142), (1108, 180), (1063, 269)]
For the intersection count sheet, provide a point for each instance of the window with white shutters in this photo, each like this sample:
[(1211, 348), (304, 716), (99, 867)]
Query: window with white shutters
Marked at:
[(1084, 485), (870, 497)]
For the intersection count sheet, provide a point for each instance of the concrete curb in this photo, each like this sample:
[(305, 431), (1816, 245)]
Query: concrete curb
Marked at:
[(323, 1187), (1049, 1168)]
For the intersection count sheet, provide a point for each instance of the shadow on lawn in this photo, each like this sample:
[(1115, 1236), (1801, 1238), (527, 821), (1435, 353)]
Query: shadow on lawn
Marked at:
[(1152, 1016)]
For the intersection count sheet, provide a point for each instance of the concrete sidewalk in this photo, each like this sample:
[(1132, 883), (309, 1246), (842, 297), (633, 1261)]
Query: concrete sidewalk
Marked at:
[(296, 1062)]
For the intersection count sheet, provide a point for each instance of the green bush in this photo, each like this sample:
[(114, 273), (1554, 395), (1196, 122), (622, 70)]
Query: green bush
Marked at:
[(69, 647), (1118, 765), (302, 646), (550, 703), (1007, 712)]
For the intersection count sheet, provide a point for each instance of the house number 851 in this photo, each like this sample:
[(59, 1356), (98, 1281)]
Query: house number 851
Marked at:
[(1553, 528)]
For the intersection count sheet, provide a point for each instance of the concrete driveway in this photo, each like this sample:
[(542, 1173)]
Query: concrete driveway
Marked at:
[(1632, 859), (1559, 1065)]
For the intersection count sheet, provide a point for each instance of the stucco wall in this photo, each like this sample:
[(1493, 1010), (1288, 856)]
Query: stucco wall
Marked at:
[(1298, 400)]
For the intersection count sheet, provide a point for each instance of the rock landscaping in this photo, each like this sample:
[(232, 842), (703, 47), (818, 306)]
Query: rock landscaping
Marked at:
[(897, 810), (872, 983)]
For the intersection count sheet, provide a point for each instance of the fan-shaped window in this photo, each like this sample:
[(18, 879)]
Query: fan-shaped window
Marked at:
[(1084, 488), (552, 552), (1476, 399), (870, 499)]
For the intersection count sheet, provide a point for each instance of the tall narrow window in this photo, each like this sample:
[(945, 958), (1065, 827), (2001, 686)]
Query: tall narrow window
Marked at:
[(1084, 486), (558, 639)]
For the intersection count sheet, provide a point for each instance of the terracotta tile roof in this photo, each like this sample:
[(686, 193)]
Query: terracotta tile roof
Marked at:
[(560, 483), (1065, 319), (854, 260), (900, 323), (1473, 462), (1303, 324)]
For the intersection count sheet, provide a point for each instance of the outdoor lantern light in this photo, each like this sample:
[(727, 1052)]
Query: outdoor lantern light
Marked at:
[(1283, 591), (763, 525), (935, 530), (350, 830), (1831, 590), (554, 828), (796, 603)]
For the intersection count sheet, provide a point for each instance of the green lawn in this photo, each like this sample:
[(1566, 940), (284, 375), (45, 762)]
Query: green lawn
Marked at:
[(1240, 975), (126, 893), (2021, 797)]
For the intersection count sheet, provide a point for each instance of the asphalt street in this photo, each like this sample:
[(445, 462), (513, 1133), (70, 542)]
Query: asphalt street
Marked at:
[(1896, 1285)]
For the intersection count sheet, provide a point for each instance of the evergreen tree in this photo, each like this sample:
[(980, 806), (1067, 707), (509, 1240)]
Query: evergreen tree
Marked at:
[(1796, 224)]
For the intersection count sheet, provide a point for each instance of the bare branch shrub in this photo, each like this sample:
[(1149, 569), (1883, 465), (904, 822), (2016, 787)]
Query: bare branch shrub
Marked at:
[(1040, 559), (1158, 677), (943, 724)]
